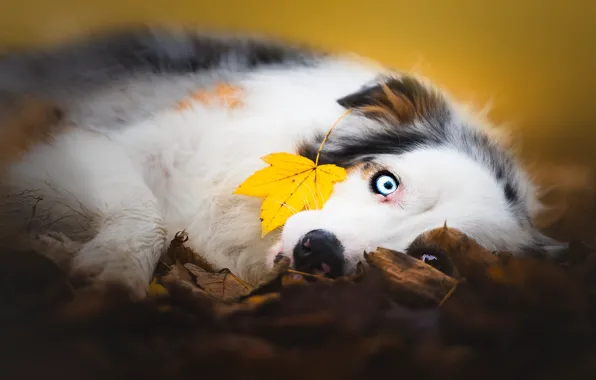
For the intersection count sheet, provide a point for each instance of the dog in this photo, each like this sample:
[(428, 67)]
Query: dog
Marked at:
[(162, 125)]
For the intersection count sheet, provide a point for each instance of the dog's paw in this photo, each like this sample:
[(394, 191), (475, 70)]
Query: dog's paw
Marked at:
[(98, 277), (99, 266), (88, 278)]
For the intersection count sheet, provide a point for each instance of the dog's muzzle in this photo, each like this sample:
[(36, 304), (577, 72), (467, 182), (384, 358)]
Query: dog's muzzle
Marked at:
[(319, 252)]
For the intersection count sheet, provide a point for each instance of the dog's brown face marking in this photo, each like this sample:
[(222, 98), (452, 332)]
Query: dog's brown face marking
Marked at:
[(366, 169), (369, 169), (400, 101)]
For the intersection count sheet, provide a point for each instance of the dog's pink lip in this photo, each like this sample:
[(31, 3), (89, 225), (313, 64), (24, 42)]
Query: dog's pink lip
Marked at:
[(325, 269)]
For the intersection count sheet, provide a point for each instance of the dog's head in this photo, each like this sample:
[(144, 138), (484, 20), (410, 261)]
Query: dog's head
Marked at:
[(415, 161)]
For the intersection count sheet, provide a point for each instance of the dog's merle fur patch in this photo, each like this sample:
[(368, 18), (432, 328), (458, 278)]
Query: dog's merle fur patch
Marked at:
[(107, 56)]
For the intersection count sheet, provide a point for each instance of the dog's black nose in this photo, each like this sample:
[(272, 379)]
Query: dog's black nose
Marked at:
[(319, 251)]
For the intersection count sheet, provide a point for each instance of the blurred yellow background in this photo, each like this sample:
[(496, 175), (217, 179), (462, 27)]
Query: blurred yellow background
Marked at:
[(532, 59)]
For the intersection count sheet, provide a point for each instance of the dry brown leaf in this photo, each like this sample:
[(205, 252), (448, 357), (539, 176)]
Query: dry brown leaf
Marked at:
[(409, 280), (178, 275), (179, 252), (222, 285), (468, 257)]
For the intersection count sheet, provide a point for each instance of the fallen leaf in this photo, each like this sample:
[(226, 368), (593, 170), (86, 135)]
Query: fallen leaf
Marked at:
[(469, 258), (155, 289), (178, 275), (410, 281), (222, 285), (291, 184), (179, 252)]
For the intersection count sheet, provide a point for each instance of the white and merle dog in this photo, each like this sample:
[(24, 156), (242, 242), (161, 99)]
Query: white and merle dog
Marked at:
[(141, 158)]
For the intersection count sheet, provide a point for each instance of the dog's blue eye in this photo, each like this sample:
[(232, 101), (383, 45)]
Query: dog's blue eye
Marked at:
[(384, 183)]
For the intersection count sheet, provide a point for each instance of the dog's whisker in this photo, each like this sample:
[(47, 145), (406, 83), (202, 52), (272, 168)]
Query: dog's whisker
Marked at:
[(306, 202), (314, 196), (292, 209), (319, 194)]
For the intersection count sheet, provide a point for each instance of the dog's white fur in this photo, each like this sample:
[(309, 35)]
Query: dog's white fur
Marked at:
[(136, 187)]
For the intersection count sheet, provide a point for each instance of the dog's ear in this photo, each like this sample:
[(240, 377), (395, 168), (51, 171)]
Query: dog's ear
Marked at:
[(363, 97), (401, 100)]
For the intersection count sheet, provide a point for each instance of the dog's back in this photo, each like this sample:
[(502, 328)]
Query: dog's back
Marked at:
[(112, 79)]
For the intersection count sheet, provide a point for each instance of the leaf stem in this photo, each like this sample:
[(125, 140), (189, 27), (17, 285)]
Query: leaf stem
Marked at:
[(329, 132)]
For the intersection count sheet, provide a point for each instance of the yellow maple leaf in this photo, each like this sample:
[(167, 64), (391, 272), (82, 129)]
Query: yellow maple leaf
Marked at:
[(291, 184)]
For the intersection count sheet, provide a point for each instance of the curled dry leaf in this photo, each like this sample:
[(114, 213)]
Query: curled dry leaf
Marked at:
[(179, 252), (222, 285), (178, 275), (410, 281), (468, 257), (170, 270)]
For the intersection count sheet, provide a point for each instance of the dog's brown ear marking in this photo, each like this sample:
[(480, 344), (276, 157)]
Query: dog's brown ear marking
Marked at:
[(398, 100)]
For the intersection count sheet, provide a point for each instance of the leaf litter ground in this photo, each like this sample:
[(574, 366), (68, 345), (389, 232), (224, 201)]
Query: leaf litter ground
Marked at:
[(476, 314)]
